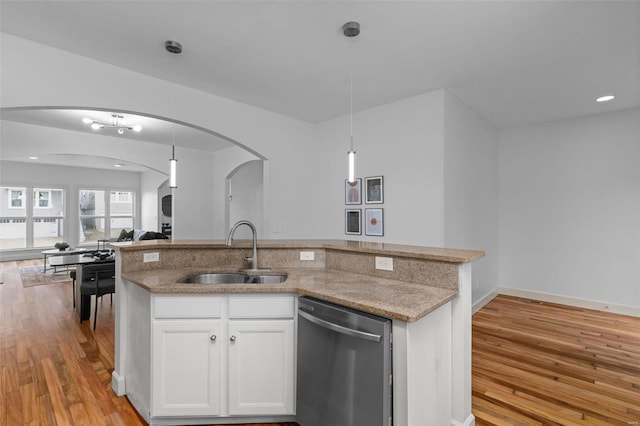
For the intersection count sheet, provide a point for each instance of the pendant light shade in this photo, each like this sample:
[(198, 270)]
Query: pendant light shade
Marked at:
[(173, 166), (351, 158)]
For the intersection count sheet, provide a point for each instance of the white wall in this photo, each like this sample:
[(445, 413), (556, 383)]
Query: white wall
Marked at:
[(402, 141), (70, 80), (570, 208), (471, 190)]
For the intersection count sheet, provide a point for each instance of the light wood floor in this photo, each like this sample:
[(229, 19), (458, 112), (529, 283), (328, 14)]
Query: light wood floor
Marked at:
[(538, 363), (54, 370), (533, 363)]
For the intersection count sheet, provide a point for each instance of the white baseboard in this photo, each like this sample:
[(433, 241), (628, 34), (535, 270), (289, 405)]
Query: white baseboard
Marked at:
[(117, 383), (480, 303), (469, 421), (556, 298)]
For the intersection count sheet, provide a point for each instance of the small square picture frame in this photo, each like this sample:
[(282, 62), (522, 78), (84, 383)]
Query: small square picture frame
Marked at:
[(353, 221), (374, 222), (374, 190), (353, 191)]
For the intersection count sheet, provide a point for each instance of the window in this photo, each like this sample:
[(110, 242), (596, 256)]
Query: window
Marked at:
[(16, 198), (121, 208), (41, 198), (48, 216), (103, 218), (13, 218), (26, 225)]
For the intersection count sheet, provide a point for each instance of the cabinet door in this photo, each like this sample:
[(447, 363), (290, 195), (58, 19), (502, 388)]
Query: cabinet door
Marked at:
[(261, 367), (186, 367)]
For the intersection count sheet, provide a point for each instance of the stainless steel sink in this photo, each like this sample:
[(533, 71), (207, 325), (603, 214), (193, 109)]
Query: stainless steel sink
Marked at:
[(266, 279), (217, 278), (234, 278)]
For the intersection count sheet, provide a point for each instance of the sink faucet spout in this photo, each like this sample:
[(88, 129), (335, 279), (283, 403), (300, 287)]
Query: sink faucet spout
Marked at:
[(254, 258)]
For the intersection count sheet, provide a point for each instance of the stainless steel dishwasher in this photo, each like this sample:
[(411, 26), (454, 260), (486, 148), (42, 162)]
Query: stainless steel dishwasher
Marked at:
[(344, 366)]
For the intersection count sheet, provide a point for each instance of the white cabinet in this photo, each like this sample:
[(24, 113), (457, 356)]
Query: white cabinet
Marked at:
[(186, 367), (207, 351), (261, 377)]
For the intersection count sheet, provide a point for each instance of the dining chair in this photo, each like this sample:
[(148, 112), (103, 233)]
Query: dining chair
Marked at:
[(72, 275), (98, 279)]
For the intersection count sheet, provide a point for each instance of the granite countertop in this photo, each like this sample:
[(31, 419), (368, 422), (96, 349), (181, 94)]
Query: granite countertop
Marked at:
[(416, 252), (380, 296)]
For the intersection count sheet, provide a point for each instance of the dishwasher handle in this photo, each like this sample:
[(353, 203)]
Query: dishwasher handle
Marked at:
[(340, 329)]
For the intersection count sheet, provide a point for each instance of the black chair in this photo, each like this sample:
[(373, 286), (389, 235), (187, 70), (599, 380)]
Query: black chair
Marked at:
[(72, 274), (98, 279)]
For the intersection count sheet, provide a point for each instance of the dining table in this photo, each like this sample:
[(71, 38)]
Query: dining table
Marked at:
[(82, 301)]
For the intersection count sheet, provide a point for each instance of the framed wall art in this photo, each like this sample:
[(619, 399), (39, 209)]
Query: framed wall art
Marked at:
[(374, 222), (374, 190), (353, 192), (352, 222)]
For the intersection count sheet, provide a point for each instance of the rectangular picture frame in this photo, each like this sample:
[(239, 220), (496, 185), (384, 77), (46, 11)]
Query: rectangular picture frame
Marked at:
[(353, 221), (374, 222), (374, 190), (353, 192)]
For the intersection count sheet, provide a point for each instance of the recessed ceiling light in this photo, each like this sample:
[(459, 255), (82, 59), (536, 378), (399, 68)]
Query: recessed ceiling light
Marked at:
[(605, 98), (119, 165), (33, 158)]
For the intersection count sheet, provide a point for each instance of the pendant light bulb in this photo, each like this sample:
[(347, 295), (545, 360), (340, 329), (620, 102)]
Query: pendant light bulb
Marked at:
[(173, 165), (351, 156)]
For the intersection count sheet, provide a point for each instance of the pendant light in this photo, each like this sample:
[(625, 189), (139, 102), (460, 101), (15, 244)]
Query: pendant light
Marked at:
[(351, 29), (173, 163)]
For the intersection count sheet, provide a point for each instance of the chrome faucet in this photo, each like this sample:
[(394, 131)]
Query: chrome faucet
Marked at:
[(253, 259)]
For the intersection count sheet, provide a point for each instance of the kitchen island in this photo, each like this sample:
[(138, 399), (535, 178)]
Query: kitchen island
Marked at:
[(427, 295)]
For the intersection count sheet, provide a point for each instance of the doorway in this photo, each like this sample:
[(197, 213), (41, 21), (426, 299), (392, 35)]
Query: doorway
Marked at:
[(244, 197)]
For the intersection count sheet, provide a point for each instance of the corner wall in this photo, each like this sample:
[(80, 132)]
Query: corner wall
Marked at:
[(570, 208), (402, 141), (471, 190)]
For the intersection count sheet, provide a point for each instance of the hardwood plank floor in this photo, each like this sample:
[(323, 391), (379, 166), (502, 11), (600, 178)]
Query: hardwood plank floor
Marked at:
[(54, 370), (534, 363), (538, 363)]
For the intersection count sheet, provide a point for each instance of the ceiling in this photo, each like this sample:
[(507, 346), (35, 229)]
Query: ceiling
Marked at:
[(154, 130), (513, 62)]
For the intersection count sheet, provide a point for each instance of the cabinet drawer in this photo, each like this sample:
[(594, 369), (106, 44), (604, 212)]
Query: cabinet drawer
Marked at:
[(187, 306), (261, 306)]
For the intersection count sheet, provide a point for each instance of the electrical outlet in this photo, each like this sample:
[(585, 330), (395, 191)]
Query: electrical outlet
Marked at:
[(384, 263), (307, 255), (151, 257)]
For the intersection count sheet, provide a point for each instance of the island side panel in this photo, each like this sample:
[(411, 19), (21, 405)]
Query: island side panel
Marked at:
[(422, 370), (117, 376), (133, 340), (461, 414)]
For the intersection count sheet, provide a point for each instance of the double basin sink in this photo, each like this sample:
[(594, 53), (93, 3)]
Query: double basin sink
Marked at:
[(234, 278)]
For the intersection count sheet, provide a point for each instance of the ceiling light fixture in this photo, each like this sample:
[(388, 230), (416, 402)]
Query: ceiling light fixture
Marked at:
[(173, 46), (115, 124), (605, 98), (351, 29), (118, 165), (33, 158)]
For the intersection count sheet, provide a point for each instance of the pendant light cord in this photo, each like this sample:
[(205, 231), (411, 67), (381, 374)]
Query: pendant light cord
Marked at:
[(173, 140), (351, 106)]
